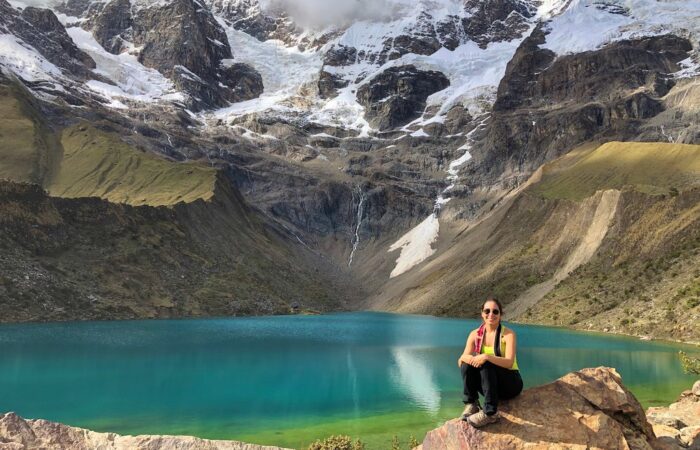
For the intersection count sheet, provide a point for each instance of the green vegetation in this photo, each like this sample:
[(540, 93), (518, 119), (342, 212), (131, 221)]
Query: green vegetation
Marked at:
[(339, 442), (690, 365), (87, 162), (650, 167), (28, 150), (98, 164), (342, 442)]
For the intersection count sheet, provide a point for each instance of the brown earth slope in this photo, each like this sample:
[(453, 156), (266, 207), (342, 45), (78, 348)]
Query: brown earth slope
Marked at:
[(598, 236)]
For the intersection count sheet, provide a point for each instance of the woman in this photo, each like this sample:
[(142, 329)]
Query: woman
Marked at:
[(488, 368)]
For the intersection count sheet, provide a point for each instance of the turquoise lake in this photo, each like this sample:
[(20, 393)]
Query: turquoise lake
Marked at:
[(288, 380)]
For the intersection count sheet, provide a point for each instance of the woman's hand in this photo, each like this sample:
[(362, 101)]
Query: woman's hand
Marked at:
[(465, 358), (479, 360)]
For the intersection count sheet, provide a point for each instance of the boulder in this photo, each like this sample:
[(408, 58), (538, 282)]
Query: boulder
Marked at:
[(17, 433), (590, 408), (690, 437), (696, 388), (678, 425)]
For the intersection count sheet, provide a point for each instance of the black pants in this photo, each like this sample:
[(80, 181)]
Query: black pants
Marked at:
[(495, 382)]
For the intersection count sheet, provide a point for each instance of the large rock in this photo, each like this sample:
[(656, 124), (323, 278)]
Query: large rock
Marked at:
[(398, 95), (590, 408), (678, 425), (17, 433), (112, 26)]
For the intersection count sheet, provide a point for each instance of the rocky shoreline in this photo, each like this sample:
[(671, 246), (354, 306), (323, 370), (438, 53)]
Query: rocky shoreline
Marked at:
[(17, 433), (590, 408), (678, 425)]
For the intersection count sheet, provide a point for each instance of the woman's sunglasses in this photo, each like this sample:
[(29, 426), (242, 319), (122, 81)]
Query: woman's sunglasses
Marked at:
[(488, 311)]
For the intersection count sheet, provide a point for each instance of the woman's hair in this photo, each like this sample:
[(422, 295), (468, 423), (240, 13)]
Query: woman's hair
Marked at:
[(493, 299)]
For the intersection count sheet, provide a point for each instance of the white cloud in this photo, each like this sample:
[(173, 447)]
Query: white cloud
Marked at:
[(324, 13)]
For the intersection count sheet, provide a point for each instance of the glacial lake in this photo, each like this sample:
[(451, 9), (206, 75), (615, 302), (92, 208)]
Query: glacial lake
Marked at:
[(288, 380)]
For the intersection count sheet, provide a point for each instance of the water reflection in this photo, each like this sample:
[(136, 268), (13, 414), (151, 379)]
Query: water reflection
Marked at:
[(415, 375)]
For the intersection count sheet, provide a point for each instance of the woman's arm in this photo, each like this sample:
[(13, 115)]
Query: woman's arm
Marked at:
[(466, 356), (507, 361)]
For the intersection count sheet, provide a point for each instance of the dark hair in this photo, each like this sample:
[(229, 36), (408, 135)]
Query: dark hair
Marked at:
[(492, 299)]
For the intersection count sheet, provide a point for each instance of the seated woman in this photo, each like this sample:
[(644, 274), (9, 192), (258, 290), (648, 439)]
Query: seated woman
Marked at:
[(489, 368)]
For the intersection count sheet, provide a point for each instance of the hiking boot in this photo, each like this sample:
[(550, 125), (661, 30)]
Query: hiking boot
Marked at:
[(469, 409), (480, 419)]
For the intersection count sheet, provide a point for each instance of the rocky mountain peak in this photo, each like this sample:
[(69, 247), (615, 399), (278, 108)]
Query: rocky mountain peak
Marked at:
[(182, 40), (41, 29)]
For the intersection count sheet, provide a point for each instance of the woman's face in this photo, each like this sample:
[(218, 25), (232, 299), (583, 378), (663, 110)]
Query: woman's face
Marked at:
[(493, 317)]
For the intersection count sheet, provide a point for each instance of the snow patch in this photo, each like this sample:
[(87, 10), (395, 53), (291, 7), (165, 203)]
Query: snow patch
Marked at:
[(23, 60), (416, 245), (588, 24), (420, 133)]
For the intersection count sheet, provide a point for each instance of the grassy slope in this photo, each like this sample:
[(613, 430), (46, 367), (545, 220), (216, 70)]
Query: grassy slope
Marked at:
[(649, 167), (98, 164), (69, 259), (83, 161), (29, 151), (644, 279)]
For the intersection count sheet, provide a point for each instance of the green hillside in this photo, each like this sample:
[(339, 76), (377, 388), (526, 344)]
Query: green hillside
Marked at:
[(29, 151), (98, 164), (651, 167)]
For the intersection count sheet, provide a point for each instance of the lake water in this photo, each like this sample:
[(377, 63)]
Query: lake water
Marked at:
[(288, 380)]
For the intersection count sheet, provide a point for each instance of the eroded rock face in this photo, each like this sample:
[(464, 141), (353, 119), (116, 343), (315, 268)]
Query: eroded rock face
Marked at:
[(17, 433), (496, 20), (245, 15), (398, 95), (595, 75), (590, 408), (112, 27), (546, 104)]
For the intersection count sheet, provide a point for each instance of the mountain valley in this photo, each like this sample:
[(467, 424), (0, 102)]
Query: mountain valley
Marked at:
[(180, 158)]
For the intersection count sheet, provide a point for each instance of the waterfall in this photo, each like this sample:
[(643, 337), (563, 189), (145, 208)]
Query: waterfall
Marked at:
[(360, 212)]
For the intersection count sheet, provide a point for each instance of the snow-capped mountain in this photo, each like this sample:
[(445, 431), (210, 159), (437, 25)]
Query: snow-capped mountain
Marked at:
[(255, 57), (363, 128)]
